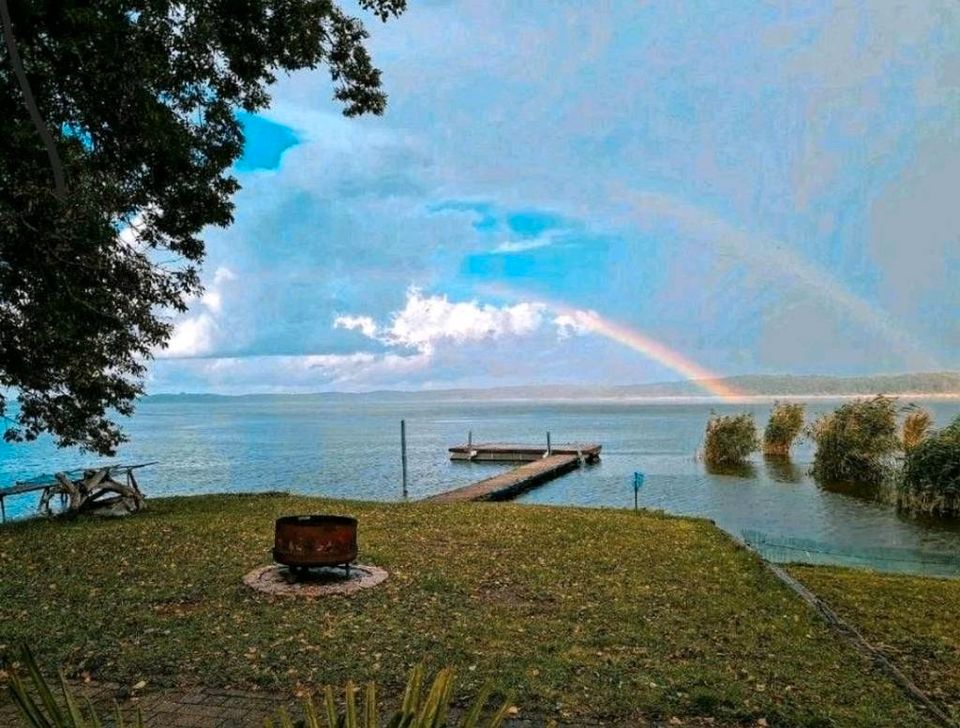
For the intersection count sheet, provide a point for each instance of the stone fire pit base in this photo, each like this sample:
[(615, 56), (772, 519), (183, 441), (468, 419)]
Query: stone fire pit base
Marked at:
[(319, 582)]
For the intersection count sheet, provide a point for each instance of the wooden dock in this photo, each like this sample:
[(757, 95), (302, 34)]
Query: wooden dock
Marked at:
[(501, 452), (539, 467)]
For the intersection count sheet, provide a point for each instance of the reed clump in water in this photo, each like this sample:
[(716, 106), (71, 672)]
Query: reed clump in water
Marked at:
[(930, 483), (916, 428), (785, 423), (857, 442), (730, 439)]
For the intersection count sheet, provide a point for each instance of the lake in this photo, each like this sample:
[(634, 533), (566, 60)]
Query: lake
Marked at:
[(350, 449)]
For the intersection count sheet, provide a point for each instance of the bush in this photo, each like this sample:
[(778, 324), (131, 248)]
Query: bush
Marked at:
[(916, 427), (730, 439), (931, 475), (856, 442), (785, 423)]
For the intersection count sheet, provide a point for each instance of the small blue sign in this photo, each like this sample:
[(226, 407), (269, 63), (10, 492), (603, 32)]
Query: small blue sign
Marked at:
[(638, 479)]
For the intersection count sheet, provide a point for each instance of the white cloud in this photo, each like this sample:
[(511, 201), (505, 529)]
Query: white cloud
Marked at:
[(426, 320), (198, 334), (364, 324), (300, 373), (519, 246), (192, 337), (574, 323)]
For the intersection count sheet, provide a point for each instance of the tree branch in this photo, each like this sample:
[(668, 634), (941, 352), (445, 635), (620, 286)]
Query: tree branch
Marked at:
[(45, 135)]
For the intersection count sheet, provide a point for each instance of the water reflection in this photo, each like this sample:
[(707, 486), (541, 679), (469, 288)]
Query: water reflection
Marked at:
[(861, 491), (740, 470), (782, 469)]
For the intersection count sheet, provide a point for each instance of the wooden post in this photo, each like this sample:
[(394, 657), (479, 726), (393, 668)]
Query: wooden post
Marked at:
[(403, 454), (470, 439), (549, 449)]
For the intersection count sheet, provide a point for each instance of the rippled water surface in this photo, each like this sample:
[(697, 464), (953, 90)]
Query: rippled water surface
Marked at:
[(351, 449)]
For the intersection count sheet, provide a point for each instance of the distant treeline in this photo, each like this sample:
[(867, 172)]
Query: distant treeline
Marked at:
[(759, 385)]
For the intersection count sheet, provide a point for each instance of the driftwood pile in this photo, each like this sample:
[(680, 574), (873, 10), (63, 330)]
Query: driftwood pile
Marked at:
[(96, 490)]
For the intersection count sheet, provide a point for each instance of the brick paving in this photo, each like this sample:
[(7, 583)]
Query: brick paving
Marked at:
[(194, 708), (202, 707)]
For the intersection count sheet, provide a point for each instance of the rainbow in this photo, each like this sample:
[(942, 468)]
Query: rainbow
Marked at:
[(580, 320), (659, 352), (774, 257)]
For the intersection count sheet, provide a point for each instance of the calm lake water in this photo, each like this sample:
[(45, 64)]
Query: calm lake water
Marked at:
[(351, 449)]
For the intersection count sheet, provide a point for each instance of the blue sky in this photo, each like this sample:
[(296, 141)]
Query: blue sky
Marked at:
[(759, 187)]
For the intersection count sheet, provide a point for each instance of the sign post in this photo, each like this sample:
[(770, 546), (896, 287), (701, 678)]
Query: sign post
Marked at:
[(638, 479)]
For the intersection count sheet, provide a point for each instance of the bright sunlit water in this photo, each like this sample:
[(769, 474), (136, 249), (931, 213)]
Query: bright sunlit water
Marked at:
[(351, 449)]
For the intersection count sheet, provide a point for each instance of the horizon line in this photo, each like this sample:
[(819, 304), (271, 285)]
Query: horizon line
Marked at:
[(675, 382)]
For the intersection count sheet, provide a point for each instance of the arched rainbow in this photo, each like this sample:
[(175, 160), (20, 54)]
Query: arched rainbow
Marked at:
[(659, 352), (583, 320), (777, 258)]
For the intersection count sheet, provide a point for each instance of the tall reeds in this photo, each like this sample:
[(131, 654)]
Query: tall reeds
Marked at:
[(916, 427), (729, 439), (930, 484), (785, 423), (856, 442)]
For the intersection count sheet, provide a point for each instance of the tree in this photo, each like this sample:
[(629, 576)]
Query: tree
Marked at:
[(117, 133), (785, 423), (856, 442), (729, 439)]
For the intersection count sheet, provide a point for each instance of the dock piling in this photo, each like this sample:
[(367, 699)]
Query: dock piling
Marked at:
[(403, 454)]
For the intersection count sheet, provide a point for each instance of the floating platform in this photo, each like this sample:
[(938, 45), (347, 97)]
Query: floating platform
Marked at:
[(539, 467), (500, 452)]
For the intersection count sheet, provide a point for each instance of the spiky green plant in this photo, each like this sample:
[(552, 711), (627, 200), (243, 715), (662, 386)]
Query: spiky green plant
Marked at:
[(416, 710), (916, 427), (785, 423), (729, 439), (856, 442), (39, 707)]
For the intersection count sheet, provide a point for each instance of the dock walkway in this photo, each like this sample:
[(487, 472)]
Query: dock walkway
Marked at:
[(538, 468)]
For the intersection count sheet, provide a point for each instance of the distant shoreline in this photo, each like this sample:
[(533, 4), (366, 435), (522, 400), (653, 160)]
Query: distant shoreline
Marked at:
[(425, 398), (747, 388)]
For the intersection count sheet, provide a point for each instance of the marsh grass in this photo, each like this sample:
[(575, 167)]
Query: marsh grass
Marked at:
[(729, 441), (857, 442), (783, 427), (930, 483), (916, 427)]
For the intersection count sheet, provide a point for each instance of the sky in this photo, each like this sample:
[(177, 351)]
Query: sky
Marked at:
[(598, 193)]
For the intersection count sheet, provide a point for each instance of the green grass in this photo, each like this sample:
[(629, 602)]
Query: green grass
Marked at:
[(586, 614), (914, 621)]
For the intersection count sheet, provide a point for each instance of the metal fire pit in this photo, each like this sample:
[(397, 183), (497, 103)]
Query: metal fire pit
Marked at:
[(303, 542)]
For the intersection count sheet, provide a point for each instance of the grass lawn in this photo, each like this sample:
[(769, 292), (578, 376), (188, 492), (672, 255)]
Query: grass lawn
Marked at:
[(586, 614), (914, 621)]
